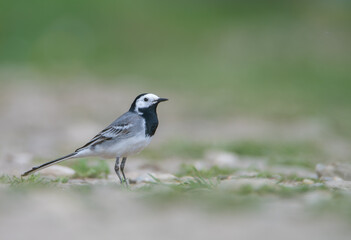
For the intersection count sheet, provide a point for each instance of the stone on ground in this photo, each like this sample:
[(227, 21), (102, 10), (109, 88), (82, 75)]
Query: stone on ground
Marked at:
[(58, 171)]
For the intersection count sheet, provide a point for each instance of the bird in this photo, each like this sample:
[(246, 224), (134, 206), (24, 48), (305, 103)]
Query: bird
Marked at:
[(127, 135)]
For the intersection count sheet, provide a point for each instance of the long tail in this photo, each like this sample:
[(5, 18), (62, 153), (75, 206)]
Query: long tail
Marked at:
[(45, 165)]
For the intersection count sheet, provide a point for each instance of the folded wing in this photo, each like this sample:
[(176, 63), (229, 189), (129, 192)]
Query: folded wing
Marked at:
[(111, 132)]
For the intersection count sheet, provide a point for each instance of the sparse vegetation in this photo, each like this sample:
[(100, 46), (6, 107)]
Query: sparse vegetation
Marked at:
[(304, 154), (215, 171), (32, 180), (301, 154), (87, 168), (208, 193)]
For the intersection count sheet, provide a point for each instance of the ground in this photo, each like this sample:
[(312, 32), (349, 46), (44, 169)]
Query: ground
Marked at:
[(233, 177)]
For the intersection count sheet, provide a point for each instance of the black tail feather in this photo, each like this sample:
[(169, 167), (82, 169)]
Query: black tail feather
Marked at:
[(45, 165)]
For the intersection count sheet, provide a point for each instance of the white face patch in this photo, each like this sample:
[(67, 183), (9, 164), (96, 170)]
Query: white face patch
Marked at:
[(145, 101)]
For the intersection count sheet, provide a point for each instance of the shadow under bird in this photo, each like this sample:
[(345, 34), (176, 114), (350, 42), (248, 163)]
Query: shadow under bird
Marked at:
[(127, 135)]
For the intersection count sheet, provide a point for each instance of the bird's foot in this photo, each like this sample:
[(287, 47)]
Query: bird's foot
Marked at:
[(125, 183)]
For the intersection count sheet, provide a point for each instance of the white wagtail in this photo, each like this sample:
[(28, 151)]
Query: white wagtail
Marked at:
[(127, 135)]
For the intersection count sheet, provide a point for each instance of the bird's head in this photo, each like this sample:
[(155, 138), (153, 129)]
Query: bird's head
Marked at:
[(145, 101)]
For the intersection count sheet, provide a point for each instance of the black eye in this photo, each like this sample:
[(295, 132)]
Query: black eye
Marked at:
[(146, 99)]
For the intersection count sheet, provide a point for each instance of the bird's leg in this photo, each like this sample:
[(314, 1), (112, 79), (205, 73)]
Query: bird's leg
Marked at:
[(117, 170), (122, 169)]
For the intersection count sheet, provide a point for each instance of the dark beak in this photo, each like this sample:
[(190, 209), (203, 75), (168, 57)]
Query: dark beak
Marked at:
[(162, 100)]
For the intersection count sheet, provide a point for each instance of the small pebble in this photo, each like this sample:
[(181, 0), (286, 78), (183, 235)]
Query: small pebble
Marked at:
[(58, 171), (151, 177), (307, 181), (222, 159)]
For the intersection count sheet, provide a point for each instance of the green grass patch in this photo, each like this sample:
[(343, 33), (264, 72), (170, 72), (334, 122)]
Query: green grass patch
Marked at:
[(198, 192), (278, 190), (87, 168), (282, 177), (257, 148), (302, 154), (215, 171), (193, 184), (208, 193), (32, 180)]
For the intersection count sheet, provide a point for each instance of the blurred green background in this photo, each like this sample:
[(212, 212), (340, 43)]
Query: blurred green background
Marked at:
[(267, 59)]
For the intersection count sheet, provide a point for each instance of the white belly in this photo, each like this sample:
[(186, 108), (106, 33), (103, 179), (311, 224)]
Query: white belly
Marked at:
[(124, 147)]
